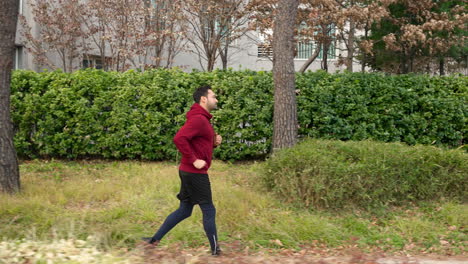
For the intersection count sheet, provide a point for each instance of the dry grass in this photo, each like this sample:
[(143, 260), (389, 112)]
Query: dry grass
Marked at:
[(119, 202)]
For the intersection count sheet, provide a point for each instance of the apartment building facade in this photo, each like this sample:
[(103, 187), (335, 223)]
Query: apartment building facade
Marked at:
[(247, 52)]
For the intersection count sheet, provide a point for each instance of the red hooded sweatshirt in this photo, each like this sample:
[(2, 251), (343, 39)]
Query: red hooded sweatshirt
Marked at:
[(195, 140)]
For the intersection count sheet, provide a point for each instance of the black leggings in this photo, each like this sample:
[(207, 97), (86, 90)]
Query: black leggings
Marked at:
[(184, 211)]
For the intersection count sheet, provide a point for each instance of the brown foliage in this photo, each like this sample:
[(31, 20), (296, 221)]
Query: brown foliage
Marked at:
[(317, 20), (425, 36), (122, 33)]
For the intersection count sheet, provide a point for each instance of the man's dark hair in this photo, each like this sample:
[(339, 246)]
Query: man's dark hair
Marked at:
[(201, 91)]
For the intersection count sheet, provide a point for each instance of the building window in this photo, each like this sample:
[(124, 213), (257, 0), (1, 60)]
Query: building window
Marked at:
[(19, 57), (264, 50), (331, 52), (332, 49), (93, 61), (155, 19), (304, 49), (306, 46)]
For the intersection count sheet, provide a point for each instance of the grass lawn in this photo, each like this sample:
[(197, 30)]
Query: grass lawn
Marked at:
[(111, 204)]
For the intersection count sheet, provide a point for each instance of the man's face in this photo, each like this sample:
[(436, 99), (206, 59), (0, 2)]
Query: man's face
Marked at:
[(211, 101)]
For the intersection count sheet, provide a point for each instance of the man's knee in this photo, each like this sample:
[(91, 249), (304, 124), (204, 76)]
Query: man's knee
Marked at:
[(186, 215), (208, 208), (184, 212), (209, 213)]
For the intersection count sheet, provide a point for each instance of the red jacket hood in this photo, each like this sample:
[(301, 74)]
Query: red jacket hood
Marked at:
[(197, 109)]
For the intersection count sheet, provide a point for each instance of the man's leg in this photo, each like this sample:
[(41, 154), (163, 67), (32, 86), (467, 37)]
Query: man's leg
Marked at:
[(209, 224), (184, 211)]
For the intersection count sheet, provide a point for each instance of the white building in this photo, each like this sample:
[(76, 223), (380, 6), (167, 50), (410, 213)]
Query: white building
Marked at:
[(247, 52)]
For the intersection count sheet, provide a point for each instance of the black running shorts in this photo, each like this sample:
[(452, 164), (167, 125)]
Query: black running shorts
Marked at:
[(195, 188)]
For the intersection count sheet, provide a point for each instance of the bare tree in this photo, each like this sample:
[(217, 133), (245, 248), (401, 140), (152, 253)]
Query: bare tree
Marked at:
[(163, 32), (213, 26), (60, 33), (285, 106), (9, 172), (350, 40), (350, 9), (311, 59), (234, 24), (94, 18), (121, 34)]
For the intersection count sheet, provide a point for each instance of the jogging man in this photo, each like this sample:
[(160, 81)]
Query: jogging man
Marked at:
[(195, 140)]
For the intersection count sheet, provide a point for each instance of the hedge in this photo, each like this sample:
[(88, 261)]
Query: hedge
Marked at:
[(333, 174), (93, 113)]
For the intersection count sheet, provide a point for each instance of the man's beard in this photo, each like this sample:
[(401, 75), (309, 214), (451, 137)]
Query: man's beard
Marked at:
[(213, 107)]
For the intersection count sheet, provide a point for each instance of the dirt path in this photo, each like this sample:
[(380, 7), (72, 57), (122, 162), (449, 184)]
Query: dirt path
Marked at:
[(255, 259), (231, 256)]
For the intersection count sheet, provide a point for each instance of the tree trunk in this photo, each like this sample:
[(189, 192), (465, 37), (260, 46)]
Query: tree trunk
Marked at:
[(9, 172), (326, 47), (285, 108), (223, 53), (170, 52), (224, 61), (102, 49), (411, 60), (211, 61), (404, 63), (350, 57), (442, 67), (311, 59), (364, 54)]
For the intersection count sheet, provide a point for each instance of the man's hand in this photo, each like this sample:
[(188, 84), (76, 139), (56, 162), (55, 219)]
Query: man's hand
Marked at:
[(199, 164), (218, 140)]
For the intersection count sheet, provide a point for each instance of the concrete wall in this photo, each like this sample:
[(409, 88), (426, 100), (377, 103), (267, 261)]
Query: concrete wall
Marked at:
[(25, 59), (243, 54)]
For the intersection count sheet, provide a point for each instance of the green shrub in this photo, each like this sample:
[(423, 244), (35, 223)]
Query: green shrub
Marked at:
[(245, 115), (415, 109), (334, 174), (92, 113)]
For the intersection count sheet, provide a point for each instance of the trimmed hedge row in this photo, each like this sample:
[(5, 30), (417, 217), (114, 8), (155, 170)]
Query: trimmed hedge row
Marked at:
[(335, 174), (414, 109), (92, 113)]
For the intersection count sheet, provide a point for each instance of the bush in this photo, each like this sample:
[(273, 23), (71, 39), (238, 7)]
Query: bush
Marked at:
[(335, 174), (97, 113), (415, 109), (92, 113)]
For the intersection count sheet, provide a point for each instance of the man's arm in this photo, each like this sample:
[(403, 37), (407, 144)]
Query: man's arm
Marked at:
[(189, 130)]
